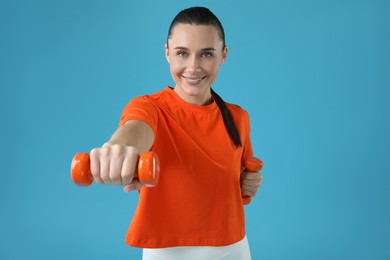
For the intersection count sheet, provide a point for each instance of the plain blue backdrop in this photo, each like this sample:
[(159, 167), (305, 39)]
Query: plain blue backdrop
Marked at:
[(314, 76)]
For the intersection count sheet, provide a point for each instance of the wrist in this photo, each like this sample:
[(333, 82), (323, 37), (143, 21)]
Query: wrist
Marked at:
[(107, 144)]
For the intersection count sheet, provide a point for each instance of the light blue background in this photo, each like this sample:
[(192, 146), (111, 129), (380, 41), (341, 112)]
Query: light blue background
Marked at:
[(314, 76)]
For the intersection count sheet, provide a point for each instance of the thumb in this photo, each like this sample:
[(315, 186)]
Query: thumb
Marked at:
[(134, 185)]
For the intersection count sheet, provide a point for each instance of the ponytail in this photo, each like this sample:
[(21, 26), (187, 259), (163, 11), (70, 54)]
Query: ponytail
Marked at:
[(227, 119)]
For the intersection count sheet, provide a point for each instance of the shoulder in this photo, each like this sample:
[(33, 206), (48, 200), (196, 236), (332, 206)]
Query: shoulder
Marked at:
[(147, 100), (151, 98), (236, 109), (240, 116), (143, 108)]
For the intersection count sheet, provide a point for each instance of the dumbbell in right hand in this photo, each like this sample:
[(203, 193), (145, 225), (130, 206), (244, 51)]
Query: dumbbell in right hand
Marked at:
[(147, 170)]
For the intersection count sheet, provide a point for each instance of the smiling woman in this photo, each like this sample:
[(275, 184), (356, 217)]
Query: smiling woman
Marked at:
[(196, 210), (195, 54)]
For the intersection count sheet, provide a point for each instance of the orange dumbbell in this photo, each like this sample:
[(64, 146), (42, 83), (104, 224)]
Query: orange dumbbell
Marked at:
[(147, 170), (251, 164)]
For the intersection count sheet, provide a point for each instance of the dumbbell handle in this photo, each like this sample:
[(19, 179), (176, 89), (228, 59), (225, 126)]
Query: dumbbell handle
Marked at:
[(147, 170), (251, 164)]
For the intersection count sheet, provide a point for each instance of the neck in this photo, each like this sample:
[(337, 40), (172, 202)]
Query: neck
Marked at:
[(199, 99)]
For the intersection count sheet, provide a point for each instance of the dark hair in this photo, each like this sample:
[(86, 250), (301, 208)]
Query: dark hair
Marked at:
[(203, 16), (198, 16)]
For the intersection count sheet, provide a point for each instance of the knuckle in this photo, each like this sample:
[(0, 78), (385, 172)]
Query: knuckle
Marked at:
[(131, 151), (117, 150), (105, 151), (94, 152)]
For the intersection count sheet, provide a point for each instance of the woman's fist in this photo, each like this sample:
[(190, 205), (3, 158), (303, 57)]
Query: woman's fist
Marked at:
[(115, 164)]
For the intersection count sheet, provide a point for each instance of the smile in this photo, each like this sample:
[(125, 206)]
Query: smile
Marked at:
[(192, 80)]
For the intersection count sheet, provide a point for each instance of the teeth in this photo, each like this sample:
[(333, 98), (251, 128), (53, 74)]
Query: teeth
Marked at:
[(194, 80)]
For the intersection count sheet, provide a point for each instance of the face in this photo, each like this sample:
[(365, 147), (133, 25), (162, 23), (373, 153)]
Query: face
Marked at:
[(195, 54)]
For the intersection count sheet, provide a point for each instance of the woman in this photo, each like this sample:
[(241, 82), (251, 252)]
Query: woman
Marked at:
[(196, 210)]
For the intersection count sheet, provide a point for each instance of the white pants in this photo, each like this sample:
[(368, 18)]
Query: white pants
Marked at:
[(239, 250)]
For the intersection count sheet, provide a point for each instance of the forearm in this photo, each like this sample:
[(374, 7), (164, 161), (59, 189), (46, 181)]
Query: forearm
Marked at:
[(135, 133)]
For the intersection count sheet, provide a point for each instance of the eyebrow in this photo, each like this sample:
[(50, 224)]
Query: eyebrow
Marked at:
[(184, 48)]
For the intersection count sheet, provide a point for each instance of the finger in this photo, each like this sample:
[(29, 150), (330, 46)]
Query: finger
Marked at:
[(251, 183), (249, 190), (116, 163), (105, 165), (249, 193), (134, 185), (137, 184), (253, 175), (250, 186), (95, 165), (128, 169), (253, 178), (243, 175)]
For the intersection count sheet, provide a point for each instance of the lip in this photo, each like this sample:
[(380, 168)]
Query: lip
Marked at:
[(193, 81)]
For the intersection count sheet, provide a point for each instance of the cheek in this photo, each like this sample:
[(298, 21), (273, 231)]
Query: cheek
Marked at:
[(176, 67), (212, 68)]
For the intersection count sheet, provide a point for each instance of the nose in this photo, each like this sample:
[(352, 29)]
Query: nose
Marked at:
[(193, 65)]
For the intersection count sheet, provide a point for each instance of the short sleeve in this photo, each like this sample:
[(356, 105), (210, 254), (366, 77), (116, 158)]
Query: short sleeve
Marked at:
[(247, 143), (140, 108)]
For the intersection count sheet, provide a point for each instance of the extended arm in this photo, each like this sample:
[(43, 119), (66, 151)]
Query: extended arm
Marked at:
[(115, 162)]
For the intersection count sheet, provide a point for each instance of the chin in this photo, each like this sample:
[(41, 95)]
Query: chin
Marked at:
[(195, 90)]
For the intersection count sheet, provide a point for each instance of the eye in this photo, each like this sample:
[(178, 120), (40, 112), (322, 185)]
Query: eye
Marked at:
[(182, 54), (207, 54)]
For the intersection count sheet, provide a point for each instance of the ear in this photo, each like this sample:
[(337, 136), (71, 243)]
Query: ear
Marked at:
[(224, 54), (166, 52)]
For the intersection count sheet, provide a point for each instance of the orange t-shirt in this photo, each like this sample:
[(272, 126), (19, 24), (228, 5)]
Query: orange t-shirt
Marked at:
[(197, 201)]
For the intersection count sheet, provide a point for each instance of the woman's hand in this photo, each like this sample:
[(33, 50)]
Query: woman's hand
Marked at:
[(115, 164), (250, 183)]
